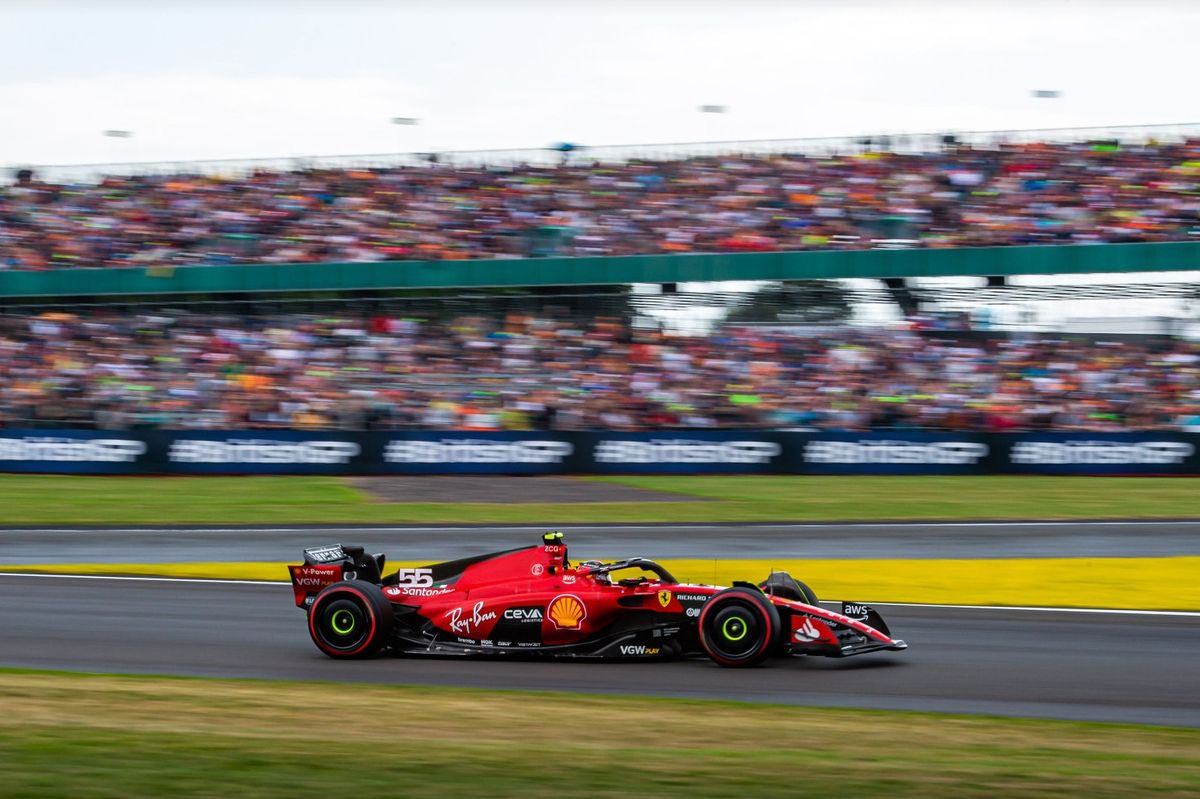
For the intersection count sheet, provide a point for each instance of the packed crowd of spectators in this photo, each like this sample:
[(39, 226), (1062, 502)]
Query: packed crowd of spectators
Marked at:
[(1011, 195), (523, 372)]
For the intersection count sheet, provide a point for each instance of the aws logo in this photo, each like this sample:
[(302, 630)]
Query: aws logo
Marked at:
[(566, 612)]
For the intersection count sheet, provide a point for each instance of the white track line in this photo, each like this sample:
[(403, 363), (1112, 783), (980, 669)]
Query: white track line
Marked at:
[(217, 581), (1038, 608), (604, 527), (143, 579)]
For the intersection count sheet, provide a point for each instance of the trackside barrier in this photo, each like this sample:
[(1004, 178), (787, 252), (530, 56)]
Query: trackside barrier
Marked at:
[(609, 270), (593, 452)]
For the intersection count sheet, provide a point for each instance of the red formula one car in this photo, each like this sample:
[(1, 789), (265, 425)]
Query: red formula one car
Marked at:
[(531, 601)]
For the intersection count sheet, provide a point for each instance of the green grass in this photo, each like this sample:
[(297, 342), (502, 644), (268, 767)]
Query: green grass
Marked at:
[(103, 736), (293, 500)]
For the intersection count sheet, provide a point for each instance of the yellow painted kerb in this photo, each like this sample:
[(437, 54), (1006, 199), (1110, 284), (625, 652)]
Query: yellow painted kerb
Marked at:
[(1142, 583)]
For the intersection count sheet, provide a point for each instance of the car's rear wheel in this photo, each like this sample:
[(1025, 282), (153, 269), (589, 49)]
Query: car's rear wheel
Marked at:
[(350, 619), (739, 627)]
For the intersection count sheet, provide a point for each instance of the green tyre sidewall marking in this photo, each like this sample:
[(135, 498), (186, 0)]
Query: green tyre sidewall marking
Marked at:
[(345, 622), (731, 621), (336, 622)]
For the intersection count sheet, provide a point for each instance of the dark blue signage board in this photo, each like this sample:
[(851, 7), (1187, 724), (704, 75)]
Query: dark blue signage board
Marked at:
[(594, 452)]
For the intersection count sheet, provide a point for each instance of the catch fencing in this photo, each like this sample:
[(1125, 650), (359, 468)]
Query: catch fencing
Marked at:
[(813, 146), (676, 452)]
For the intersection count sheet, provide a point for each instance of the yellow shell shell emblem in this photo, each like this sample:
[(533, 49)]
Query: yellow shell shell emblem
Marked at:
[(664, 598), (566, 611)]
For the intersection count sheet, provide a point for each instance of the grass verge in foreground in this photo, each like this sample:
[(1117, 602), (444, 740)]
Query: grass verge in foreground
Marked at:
[(1134, 583), (66, 500), (102, 736)]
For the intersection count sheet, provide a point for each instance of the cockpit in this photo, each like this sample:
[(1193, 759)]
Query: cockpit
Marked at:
[(603, 572)]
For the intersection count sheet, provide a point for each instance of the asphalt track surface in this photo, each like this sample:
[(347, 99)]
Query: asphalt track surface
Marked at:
[(1124, 667), (814, 541), (1102, 666)]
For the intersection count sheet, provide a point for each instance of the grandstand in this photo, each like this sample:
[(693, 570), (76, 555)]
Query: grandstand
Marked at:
[(955, 195), (568, 370), (515, 290), (885, 207)]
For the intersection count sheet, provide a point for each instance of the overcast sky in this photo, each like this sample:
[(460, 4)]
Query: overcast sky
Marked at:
[(226, 79)]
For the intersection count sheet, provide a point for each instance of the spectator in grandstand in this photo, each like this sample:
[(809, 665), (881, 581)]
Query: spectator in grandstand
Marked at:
[(1013, 194), (524, 372)]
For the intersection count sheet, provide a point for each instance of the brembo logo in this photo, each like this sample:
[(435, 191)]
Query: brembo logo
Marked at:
[(241, 450), (1067, 453), (472, 450), (54, 448), (683, 450), (949, 453)]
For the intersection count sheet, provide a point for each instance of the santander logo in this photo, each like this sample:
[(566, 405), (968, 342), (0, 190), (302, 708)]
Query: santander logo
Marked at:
[(807, 632)]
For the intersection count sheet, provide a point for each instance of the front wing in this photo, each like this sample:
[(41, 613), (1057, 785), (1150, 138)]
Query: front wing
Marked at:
[(814, 630)]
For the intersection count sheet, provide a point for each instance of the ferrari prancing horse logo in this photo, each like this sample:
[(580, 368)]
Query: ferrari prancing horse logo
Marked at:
[(664, 598)]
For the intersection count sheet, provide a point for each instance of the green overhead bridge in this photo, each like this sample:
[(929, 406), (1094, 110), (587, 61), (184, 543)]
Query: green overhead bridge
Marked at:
[(277, 278)]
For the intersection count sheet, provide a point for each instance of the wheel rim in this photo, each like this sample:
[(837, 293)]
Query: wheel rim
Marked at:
[(342, 624), (735, 631)]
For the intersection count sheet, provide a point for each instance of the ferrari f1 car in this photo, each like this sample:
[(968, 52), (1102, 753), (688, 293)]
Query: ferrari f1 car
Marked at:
[(532, 601)]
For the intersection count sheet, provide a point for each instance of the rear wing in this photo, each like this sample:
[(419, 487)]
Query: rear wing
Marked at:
[(331, 564)]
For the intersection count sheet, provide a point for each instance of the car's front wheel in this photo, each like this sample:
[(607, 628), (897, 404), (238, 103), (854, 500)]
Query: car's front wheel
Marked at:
[(350, 619), (739, 627)]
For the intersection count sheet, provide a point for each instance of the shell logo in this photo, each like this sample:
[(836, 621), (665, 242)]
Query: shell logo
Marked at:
[(566, 611)]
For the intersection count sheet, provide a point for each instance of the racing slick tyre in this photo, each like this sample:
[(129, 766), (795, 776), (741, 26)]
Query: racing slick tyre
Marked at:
[(739, 627), (807, 595), (782, 584), (350, 619)]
